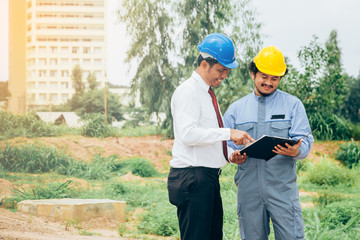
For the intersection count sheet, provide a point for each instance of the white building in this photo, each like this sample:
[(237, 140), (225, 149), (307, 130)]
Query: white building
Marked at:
[(61, 34)]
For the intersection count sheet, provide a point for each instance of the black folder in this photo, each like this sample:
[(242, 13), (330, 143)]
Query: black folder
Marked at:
[(262, 148)]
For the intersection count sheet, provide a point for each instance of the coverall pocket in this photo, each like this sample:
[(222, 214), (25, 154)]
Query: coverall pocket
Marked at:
[(299, 223), (247, 127), (281, 129)]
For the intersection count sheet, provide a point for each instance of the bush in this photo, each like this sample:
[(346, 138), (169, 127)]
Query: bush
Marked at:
[(328, 173), (349, 153), (12, 126), (160, 220), (95, 126), (326, 197), (137, 166), (330, 127)]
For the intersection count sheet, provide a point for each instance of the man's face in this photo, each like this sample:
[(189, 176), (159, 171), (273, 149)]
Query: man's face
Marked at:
[(216, 74), (265, 84)]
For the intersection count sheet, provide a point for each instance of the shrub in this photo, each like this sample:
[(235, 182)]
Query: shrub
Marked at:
[(95, 126), (330, 127), (160, 220), (328, 173), (137, 166), (349, 153), (25, 126), (326, 197)]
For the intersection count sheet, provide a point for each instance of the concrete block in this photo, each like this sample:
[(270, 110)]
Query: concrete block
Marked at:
[(78, 209)]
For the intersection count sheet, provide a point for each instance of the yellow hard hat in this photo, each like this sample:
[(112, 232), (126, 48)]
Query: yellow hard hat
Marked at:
[(270, 60)]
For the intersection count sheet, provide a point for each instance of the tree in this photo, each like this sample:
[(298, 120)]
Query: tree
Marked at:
[(93, 102), (166, 58), (149, 26), (76, 78), (92, 83), (351, 108)]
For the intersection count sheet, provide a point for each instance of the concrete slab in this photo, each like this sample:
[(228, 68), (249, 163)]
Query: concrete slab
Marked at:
[(78, 209)]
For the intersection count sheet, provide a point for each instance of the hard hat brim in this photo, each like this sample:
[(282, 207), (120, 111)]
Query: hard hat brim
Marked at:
[(232, 65)]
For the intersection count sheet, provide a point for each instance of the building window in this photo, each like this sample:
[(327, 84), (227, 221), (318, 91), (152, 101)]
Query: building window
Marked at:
[(86, 50), (42, 73), (42, 96), (64, 97), (53, 84), (53, 97), (97, 50), (86, 61), (53, 49), (75, 50), (53, 61), (64, 50), (64, 85), (42, 50), (42, 61), (64, 61), (42, 84), (53, 73), (64, 73), (76, 61), (97, 61)]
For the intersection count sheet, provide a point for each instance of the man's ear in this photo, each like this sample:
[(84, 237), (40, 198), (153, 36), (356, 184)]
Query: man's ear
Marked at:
[(204, 64), (252, 75)]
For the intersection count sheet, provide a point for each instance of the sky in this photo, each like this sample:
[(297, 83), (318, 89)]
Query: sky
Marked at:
[(288, 24)]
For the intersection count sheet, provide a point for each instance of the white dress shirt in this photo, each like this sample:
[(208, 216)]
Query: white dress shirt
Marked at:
[(198, 138)]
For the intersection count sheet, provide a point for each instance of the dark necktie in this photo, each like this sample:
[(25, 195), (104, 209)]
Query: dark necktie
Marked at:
[(221, 125)]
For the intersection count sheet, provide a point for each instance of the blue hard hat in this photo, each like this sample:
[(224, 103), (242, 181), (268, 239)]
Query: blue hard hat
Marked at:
[(221, 48)]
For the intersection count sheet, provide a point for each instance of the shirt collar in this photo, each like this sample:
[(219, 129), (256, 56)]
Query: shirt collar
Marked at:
[(199, 81), (267, 98)]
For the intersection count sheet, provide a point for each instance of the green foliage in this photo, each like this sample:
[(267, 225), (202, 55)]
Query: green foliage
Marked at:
[(351, 107), (95, 126), (319, 226), (29, 125), (92, 83), (330, 127), (31, 158), (43, 191), (77, 81), (149, 25), (137, 166), (349, 153), (328, 173), (140, 131), (160, 220), (327, 197), (93, 102)]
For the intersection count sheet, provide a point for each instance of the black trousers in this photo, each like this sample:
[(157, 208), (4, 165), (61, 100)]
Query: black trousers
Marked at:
[(195, 191)]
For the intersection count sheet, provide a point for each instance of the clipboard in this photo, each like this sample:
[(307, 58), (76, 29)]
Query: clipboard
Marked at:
[(262, 148)]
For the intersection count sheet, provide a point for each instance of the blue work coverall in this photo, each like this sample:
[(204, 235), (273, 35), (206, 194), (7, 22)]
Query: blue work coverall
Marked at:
[(268, 189)]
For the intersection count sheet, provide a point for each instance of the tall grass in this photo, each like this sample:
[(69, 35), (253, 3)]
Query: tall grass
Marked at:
[(349, 153), (328, 173), (30, 158), (95, 126), (330, 127), (25, 126)]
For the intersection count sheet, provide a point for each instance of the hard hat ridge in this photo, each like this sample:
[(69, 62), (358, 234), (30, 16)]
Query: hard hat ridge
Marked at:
[(221, 48)]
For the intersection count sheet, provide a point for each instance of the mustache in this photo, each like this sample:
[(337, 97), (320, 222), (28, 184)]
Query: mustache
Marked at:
[(263, 85)]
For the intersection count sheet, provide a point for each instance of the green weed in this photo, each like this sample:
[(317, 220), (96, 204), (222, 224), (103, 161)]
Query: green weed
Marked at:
[(349, 153)]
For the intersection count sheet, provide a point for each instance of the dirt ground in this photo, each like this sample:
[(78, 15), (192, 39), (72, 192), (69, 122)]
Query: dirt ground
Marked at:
[(15, 225)]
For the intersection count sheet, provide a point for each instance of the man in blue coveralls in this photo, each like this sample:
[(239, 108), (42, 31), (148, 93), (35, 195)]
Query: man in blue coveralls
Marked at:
[(268, 189)]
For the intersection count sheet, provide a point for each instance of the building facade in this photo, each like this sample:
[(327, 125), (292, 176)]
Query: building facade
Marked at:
[(61, 34)]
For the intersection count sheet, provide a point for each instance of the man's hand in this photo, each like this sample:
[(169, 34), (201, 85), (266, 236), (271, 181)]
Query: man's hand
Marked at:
[(237, 158), (288, 150), (240, 137)]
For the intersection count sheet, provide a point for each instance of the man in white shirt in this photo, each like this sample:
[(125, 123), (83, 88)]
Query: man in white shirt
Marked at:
[(200, 149)]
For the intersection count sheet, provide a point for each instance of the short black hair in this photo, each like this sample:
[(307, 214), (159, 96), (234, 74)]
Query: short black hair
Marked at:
[(209, 60), (252, 68)]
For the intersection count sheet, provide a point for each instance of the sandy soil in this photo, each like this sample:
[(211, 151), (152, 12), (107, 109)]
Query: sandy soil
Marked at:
[(15, 225)]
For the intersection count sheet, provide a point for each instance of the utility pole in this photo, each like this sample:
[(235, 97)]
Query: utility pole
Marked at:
[(105, 102)]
